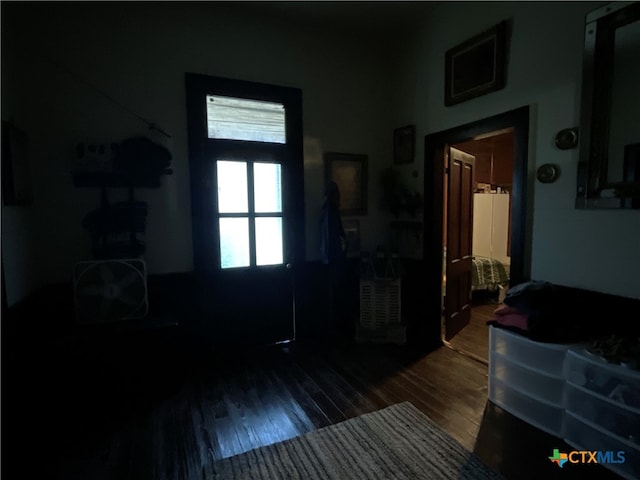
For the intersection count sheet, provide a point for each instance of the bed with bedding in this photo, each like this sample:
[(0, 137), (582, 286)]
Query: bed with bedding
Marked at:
[(486, 273)]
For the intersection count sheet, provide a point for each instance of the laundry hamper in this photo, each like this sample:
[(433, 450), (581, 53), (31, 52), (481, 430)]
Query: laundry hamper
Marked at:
[(380, 316)]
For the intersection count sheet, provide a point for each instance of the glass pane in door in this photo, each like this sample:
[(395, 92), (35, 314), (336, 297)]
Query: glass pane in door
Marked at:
[(269, 241), (267, 187), (234, 242), (232, 187)]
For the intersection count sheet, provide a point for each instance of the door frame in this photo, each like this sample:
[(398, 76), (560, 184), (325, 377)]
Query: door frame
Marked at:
[(202, 181), (292, 97), (518, 119)]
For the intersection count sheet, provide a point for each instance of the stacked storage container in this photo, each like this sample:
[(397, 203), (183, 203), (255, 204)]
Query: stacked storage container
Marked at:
[(526, 379), (566, 391), (603, 409)]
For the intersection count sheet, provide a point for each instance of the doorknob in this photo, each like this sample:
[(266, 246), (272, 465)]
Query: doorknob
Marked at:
[(289, 266)]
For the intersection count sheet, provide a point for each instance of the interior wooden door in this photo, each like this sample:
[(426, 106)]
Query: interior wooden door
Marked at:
[(246, 165), (459, 242)]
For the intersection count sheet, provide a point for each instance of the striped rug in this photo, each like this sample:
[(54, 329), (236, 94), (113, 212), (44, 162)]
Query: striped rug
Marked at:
[(397, 442)]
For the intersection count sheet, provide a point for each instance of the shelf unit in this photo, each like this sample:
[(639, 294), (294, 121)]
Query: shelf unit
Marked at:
[(134, 163)]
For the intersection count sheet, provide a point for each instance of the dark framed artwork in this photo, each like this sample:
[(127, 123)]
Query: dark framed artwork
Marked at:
[(349, 171), (476, 66), (404, 144), (16, 174)]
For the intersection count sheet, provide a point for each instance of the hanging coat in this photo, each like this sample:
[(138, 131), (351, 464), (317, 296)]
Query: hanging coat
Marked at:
[(333, 239)]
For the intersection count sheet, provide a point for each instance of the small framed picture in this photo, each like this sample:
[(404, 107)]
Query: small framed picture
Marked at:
[(476, 66), (404, 144)]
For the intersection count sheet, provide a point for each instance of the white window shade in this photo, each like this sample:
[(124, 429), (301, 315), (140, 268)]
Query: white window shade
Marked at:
[(241, 119)]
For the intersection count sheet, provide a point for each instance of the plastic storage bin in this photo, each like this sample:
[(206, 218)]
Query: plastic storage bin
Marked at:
[(543, 387), (622, 422), (526, 379), (603, 409), (546, 358), (539, 414), (583, 435), (619, 384)]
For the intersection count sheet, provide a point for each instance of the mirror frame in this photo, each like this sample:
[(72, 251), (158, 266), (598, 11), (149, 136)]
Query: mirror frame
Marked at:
[(594, 190)]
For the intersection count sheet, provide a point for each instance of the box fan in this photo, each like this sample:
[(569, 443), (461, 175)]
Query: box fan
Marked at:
[(110, 290)]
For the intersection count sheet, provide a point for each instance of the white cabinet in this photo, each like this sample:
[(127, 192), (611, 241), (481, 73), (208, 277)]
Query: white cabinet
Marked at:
[(491, 225)]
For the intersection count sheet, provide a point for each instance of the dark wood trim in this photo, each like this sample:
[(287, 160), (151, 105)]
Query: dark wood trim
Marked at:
[(5, 302), (435, 143), (293, 168)]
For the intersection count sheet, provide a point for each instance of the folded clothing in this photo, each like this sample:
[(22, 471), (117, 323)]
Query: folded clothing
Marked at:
[(506, 316), (505, 309), (533, 297), (560, 314)]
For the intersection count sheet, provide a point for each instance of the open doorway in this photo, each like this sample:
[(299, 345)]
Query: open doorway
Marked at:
[(487, 137), (488, 227)]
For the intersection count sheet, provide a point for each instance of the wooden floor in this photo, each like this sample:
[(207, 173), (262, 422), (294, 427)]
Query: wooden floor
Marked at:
[(168, 412), (474, 338)]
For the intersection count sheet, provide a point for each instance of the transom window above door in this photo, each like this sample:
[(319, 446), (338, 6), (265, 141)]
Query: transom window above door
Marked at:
[(230, 118)]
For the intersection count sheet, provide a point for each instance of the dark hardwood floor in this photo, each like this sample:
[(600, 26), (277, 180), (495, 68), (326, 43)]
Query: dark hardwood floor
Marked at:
[(151, 407), (473, 339)]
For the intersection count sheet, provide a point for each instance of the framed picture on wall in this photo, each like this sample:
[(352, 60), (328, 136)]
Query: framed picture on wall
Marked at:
[(404, 144), (349, 171), (476, 66)]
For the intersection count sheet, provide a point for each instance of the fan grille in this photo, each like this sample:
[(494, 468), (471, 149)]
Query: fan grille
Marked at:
[(110, 290)]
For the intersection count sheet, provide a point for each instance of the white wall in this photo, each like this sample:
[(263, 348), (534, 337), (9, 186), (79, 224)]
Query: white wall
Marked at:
[(137, 54), (354, 94), (598, 250)]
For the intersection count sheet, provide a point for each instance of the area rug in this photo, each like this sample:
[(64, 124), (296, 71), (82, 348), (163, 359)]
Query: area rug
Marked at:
[(397, 442)]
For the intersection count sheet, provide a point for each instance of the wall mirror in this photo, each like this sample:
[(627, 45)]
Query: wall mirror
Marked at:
[(609, 164)]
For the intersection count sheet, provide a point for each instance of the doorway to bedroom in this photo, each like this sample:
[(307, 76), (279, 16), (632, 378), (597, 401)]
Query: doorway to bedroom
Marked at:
[(480, 185), (486, 228)]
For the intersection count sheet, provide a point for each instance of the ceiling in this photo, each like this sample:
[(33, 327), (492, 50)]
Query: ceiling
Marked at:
[(368, 16)]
